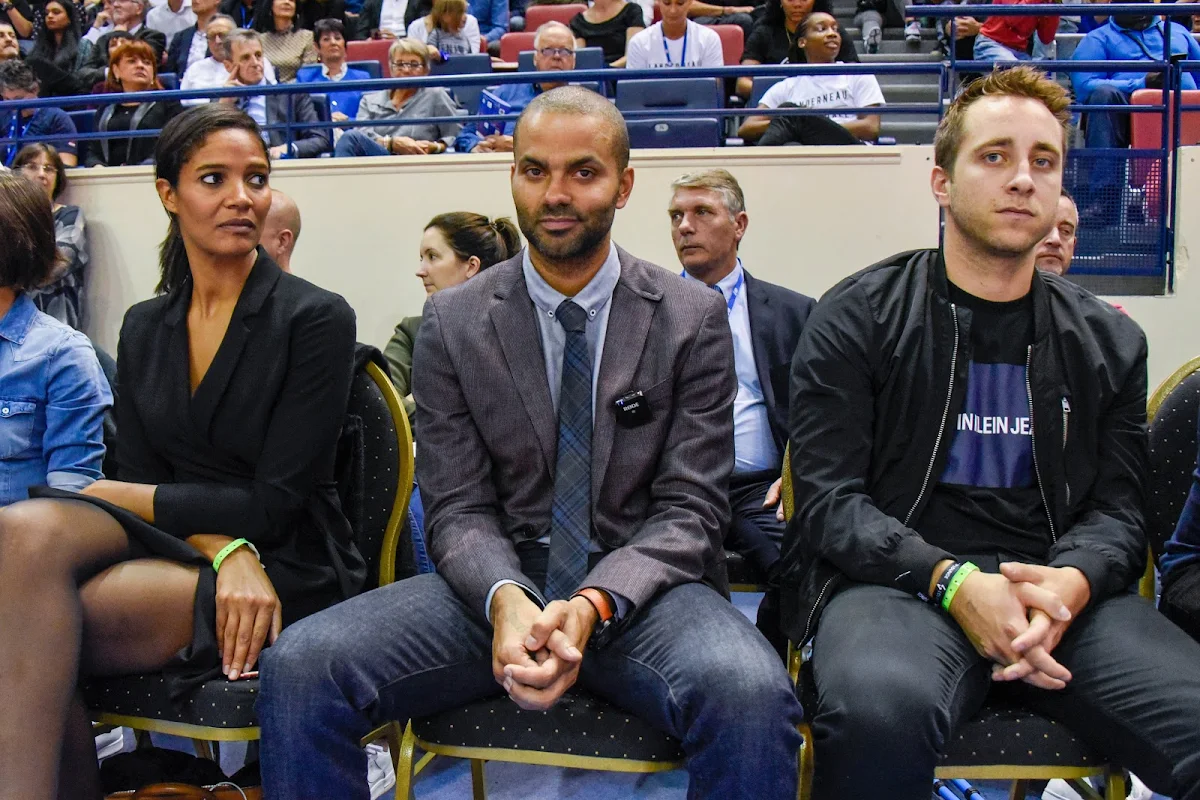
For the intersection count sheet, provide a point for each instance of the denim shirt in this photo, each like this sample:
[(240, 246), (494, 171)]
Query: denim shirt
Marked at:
[(52, 402)]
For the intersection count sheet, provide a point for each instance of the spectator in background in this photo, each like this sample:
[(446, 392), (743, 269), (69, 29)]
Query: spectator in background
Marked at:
[(56, 437), (553, 51), (17, 82), (62, 295), (389, 19), (243, 54), (407, 58), (56, 49), (1057, 250), (609, 25), (454, 248), (131, 69), (822, 42), (281, 230), (242, 11), (210, 72), (492, 17), (115, 40), (10, 47), (1129, 38), (19, 15), (771, 41), (725, 12), (128, 16), (331, 50), (171, 16), (447, 30), (284, 42), (676, 41), (99, 22), (190, 46), (1010, 38), (868, 16), (310, 12)]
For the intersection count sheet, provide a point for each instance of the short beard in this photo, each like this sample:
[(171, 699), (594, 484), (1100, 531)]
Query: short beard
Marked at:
[(566, 252)]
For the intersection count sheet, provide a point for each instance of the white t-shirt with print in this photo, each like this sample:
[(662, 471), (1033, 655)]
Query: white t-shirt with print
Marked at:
[(826, 91), (645, 49)]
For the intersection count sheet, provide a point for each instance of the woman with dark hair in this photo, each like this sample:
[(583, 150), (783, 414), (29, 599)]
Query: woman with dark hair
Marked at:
[(131, 68), (225, 523), (774, 38), (61, 296), (52, 393), (285, 44), (454, 247), (56, 49)]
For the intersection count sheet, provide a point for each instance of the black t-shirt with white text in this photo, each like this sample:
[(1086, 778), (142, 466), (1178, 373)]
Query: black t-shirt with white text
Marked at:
[(987, 501)]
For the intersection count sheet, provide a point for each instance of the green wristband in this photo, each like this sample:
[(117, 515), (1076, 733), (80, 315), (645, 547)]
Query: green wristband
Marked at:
[(966, 569), (229, 548)]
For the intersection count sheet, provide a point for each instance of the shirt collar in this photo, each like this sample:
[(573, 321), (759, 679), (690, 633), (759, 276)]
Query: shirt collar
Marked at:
[(15, 324), (342, 74), (591, 298), (727, 283)]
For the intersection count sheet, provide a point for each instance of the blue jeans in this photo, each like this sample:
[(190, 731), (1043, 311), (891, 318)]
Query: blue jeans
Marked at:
[(990, 50), (356, 143), (895, 679), (690, 664), (1107, 128)]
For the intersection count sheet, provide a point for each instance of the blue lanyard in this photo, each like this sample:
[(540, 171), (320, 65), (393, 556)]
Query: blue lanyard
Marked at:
[(10, 152), (733, 293), (682, 53)]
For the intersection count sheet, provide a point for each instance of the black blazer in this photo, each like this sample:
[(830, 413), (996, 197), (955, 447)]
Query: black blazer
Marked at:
[(148, 117), (98, 55), (310, 142), (251, 453), (777, 316), (177, 51)]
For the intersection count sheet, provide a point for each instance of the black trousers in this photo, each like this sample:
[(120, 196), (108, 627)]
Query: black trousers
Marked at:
[(805, 129), (895, 679), (754, 531)]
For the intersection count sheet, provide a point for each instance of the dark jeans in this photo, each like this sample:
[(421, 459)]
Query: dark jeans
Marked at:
[(744, 21), (805, 129), (1107, 128), (690, 664), (754, 531), (354, 143), (895, 679)]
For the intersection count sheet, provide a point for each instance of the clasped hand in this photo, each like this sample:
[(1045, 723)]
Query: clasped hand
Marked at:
[(536, 653), (1018, 617)]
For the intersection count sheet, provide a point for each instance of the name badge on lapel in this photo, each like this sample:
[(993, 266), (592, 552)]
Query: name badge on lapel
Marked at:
[(633, 409)]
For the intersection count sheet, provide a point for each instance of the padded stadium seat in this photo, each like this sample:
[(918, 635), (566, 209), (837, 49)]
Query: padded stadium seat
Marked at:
[(760, 86), (465, 64), (370, 50), (221, 704), (1016, 737), (511, 44), (372, 68), (1172, 433), (585, 58), (321, 106), (674, 132), (733, 42), (702, 93), (85, 122), (1145, 133), (169, 80), (743, 575), (536, 16)]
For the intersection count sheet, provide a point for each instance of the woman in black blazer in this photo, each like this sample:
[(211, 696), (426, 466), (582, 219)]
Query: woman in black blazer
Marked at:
[(234, 385)]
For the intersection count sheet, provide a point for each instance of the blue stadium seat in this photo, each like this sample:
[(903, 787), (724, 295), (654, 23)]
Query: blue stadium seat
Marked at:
[(648, 133), (321, 106), (168, 80), (85, 122), (761, 84), (370, 67), (669, 93), (585, 58), (465, 64)]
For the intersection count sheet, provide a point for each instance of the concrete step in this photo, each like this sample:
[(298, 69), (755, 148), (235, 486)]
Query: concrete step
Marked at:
[(896, 34), (893, 46), (909, 57), (888, 80), (910, 93), (908, 132)]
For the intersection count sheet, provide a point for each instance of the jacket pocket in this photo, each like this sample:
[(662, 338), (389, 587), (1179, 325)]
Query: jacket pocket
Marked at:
[(16, 427)]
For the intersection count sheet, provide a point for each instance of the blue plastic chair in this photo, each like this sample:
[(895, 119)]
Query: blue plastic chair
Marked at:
[(465, 64), (700, 93), (760, 86), (674, 132), (169, 81)]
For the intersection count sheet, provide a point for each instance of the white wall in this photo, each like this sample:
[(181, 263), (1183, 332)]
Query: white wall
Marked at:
[(816, 215)]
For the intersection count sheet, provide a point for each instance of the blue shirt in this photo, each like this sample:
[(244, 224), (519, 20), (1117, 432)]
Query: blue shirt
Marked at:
[(44, 122), (516, 95), (345, 102), (1111, 42), (753, 445), (492, 16), (53, 396)]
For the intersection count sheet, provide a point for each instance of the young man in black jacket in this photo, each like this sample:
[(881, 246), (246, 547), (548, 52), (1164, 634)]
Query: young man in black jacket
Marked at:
[(969, 456)]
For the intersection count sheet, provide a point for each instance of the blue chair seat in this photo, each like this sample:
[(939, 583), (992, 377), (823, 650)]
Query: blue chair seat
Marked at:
[(674, 132)]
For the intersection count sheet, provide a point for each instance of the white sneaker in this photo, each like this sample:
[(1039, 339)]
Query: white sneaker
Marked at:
[(872, 39), (912, 33), (111, 743), (1138, 790), (1060, 790), (380, 775)]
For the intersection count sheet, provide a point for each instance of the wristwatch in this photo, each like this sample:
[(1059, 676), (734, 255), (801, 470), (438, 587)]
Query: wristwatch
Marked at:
[(605, 629)]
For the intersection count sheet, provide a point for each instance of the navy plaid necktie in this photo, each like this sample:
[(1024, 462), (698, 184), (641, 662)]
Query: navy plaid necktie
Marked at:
[(570, 518)]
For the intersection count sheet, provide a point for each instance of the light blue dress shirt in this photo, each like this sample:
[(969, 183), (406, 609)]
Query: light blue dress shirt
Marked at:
[(753, 445), (53, 396)]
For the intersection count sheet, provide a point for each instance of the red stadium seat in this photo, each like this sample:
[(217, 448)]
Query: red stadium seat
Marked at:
[(733, 41), (1145, 133), (536, 16), (511, 45), (370, 50)]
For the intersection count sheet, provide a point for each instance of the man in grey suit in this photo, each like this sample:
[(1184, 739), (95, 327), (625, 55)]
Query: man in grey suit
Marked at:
[(576, 415)]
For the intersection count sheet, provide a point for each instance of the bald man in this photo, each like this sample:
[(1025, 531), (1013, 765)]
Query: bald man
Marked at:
[(281, 230)]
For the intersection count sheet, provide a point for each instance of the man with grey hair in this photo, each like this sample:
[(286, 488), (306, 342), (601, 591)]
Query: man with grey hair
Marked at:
[(575, 452), (210, 72), (553, 51), (708, 221), (128, 16)]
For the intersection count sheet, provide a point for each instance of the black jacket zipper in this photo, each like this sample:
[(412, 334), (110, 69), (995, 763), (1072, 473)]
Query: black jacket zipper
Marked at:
[(1037, 471)]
